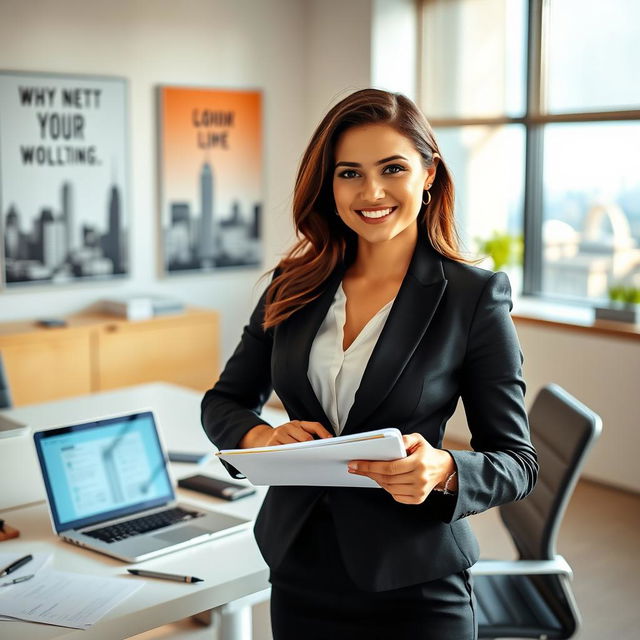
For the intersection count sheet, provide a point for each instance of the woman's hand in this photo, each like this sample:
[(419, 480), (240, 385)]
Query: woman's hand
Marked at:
[(410, 480), (295, 431)]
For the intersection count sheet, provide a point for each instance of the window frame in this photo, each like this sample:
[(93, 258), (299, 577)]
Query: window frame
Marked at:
[(534, 120)]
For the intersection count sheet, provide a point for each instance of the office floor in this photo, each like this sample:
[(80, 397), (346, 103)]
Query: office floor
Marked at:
[(600, 538)]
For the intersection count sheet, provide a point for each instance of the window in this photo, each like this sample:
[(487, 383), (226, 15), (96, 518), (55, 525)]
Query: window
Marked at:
[(536, 107)]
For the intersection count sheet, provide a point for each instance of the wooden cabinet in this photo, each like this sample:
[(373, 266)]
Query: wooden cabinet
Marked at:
[(96, 352), (178, 349), (45, 365)]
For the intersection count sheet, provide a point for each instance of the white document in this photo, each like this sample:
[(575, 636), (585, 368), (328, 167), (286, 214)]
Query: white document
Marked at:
[(64, 599), (317, 462)]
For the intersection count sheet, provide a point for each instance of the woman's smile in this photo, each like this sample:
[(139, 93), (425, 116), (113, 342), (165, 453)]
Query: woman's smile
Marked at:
[(377, 215)]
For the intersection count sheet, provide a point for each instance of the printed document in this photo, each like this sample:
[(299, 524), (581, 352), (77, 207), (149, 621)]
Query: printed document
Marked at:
[(317, 462), (63, 599)]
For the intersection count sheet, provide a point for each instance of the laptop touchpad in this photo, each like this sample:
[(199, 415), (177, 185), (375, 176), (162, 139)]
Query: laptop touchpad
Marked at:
[(181, 534)]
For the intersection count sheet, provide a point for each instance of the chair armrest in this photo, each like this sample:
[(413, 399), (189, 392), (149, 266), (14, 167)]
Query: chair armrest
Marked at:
[(557, 566)]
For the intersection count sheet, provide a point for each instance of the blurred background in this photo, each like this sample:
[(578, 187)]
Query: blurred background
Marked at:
[(536, 107)]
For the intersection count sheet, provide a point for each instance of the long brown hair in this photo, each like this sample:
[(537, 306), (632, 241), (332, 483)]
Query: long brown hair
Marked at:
[(323, 239)]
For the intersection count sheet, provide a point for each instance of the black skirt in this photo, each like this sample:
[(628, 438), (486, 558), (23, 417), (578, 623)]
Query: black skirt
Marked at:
[(313, 597)]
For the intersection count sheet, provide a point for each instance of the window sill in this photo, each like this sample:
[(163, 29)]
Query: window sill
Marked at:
[(527, 310)]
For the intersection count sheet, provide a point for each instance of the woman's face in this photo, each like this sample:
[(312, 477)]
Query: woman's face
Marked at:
[(378, 182)]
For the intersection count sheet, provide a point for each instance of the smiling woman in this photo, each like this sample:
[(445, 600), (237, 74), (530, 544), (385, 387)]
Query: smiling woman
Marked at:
[(385, 131), (384, 187), (374, 320), (379, 196)]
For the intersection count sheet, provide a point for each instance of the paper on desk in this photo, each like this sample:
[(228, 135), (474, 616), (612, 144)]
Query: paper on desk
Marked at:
[(317, 462), (64, 599)]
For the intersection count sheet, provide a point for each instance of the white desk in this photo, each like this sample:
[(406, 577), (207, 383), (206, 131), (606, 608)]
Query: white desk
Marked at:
[(232, 567)]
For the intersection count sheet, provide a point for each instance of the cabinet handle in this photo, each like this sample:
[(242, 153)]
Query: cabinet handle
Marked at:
[(111, 328)]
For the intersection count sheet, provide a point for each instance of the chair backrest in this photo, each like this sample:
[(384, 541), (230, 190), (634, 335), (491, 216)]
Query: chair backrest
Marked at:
[(5, 393), (562, 431)]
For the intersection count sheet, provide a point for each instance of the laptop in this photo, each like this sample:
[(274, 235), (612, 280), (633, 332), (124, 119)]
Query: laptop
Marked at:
[(109, 489)]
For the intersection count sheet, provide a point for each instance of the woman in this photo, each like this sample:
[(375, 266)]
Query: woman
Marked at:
[(375, 320)]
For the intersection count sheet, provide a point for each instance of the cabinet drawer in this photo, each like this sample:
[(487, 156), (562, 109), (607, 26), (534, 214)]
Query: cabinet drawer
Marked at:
[(42, 367), (184, 352)]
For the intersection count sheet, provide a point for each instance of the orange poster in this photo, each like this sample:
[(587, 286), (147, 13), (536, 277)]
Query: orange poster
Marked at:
[(211, 178)]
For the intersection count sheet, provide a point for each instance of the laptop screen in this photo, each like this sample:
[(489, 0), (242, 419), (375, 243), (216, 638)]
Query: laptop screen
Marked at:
[(102, 470)]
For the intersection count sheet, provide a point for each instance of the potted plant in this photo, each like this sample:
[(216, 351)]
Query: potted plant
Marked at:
[(624, 305), (506, 251), (503, 248)]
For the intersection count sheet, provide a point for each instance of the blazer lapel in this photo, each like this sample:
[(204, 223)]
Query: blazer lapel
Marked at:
[(408, 320), (301, 331)]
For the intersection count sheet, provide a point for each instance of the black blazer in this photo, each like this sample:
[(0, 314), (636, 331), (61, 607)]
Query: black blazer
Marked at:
[(448, 335)]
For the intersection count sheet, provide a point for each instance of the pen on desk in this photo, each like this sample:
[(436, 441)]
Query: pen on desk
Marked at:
[(15, 565), (17, 580), (166, 576)]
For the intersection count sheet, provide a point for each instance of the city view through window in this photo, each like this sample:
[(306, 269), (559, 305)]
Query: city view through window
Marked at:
[(536, 107)]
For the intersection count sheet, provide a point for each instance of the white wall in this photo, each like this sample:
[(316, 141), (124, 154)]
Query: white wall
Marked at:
[(216, 43), (601, 371), (604, 373), (339, 53)]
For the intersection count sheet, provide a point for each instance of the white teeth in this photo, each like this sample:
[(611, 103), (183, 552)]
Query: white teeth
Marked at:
[(376, 214)]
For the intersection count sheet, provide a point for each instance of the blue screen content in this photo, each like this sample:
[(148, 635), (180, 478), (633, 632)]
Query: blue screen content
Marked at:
[(105, 468)]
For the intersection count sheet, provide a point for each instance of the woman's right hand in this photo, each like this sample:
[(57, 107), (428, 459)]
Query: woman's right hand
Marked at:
[(263, 435)]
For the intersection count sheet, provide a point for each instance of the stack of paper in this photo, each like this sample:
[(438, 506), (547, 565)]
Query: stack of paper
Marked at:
[(317, 462), (142, 307), (57, 597)]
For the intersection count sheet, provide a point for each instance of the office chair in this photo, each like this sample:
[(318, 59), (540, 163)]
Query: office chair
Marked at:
[(532, 597), (5, 393)]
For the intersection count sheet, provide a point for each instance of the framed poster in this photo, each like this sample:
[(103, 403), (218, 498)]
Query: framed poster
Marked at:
[(211, 178), (63, 177)]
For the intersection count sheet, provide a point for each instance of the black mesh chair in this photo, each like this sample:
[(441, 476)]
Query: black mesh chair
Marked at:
[(5, 393), (532, 597)]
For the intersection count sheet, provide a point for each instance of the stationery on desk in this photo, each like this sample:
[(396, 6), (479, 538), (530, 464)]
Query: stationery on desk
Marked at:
[(316, 462), (14, 566), (21, 566), (164, 576), (41, 594)]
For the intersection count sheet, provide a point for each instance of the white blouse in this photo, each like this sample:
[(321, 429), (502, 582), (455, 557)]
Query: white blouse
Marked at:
[(335, 374)]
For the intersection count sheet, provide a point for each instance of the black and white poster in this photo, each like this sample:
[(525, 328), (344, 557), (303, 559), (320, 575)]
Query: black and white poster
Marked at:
[(63, 177)]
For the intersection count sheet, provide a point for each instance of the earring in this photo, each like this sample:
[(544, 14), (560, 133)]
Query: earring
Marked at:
[(336, 212), (428, 197)]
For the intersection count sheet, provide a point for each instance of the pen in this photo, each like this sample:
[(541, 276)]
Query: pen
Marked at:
[(15, 565), (166, 576), (16, 580)]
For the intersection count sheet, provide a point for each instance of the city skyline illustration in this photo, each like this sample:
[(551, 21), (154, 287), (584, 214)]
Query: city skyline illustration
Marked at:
[(61, 246), (199, 237)]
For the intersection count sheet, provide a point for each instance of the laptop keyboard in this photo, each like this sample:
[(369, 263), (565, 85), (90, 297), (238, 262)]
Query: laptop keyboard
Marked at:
[(116, 532)]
